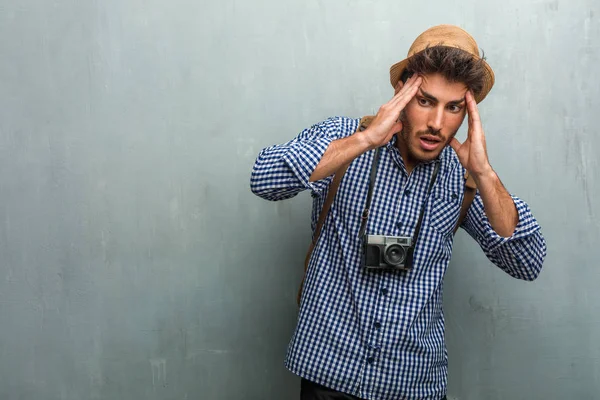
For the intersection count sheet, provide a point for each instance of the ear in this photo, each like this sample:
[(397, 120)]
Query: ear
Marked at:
[(398, 86)]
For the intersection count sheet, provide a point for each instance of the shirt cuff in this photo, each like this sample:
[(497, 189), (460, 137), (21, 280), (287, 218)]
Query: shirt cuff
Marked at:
[(525, 227), (303, 157)]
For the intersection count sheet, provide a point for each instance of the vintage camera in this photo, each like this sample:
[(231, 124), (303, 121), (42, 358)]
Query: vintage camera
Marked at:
[(387, 252)]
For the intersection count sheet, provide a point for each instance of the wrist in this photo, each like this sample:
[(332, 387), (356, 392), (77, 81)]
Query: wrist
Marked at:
[(484, 175), (363, 142)]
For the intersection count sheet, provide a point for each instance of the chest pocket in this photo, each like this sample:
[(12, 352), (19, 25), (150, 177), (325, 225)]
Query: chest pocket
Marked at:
[(445, 209)]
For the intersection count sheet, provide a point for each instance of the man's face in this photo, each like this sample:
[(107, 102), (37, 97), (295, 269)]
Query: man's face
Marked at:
[(431, 118)]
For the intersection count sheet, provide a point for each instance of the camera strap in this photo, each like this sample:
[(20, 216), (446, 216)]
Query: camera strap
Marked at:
[(365, 214), (431, 183), (372, 177)]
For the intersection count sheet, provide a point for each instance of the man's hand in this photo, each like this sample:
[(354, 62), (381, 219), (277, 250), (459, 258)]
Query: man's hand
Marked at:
[(387, 121), (473, 152), (385, 124), (497, 202)]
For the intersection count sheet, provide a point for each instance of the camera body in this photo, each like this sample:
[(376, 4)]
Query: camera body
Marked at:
[(387, 252)]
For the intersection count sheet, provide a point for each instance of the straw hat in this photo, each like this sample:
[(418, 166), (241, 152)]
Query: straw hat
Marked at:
[(445, 35)]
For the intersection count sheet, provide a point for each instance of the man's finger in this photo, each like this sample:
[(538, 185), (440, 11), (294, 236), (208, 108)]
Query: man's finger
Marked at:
[(408, 87), (406, 94), (472, 109), (402, 90)]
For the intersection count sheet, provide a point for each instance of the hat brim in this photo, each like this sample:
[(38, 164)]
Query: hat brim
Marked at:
[(397, 69)]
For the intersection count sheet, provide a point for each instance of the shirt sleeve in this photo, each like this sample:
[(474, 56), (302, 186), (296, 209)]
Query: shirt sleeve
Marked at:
[(522, 254), (282, 171)]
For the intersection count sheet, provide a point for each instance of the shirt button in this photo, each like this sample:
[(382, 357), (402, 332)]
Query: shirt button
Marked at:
[(370, 360), (384, 291), (377, 325), (406, 192), (399, 225)]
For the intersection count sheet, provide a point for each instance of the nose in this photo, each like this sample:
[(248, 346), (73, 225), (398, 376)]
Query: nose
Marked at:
[(436, 119)]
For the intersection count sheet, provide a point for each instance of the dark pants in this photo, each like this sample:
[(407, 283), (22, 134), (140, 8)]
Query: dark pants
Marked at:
[(313, 391)]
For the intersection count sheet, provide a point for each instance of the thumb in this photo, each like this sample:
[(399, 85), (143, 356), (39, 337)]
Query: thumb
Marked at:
[(455, 144), (397, 127)]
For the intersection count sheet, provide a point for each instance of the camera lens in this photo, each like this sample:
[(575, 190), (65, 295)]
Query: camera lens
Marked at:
[(394, 254)]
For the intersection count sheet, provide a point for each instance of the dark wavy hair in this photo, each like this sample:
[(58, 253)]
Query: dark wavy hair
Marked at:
[(454, 64)]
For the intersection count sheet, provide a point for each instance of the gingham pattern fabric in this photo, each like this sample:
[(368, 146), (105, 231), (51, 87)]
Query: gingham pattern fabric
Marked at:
[(380, 335)]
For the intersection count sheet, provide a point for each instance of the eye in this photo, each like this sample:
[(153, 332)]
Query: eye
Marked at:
[(423, 101), (454, 108)]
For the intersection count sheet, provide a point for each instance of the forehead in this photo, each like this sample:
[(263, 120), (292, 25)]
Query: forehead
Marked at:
[(442, 89)]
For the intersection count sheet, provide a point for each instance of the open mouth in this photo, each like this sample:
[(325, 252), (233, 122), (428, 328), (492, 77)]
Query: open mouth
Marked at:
[(429, 142)]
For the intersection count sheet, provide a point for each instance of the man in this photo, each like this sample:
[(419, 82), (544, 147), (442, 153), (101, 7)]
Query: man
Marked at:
[(378, 333)]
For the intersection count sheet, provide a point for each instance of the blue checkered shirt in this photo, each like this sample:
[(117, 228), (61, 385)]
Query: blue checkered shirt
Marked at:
[(380, 335)]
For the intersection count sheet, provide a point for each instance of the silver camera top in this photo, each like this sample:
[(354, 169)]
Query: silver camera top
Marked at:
[(387, 240)]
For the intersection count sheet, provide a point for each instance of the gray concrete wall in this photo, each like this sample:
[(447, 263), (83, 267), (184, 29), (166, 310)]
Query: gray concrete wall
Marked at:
[(136, 264)]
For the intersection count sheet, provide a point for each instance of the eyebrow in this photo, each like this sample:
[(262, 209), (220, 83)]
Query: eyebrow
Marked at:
[(432, 98)]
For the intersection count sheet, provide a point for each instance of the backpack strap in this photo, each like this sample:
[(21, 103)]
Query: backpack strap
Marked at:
[(470, 191), (335, 184)]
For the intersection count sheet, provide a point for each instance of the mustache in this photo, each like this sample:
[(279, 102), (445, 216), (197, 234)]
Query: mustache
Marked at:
[(430, 131)]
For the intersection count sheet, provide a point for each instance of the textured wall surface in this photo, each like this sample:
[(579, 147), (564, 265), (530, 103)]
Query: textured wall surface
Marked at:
[(136, 264)]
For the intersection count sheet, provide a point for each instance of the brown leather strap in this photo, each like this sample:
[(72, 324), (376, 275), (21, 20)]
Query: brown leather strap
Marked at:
[(324, 211), (470, 191), (337, 179)]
